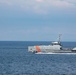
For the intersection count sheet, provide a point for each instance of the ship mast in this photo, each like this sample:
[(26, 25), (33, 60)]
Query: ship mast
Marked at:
[(59, 38)]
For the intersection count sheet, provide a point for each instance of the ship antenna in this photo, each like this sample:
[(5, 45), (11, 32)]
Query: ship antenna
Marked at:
[(59, 37)]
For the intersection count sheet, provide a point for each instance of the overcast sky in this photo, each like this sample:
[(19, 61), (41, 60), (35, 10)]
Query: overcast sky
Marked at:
[(37, 20)]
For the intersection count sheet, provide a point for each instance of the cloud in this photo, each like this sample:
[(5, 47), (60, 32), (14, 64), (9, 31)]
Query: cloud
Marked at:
[(40, 6), (39, 0), (5, 2)]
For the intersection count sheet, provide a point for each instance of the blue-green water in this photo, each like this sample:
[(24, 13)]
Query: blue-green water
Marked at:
[(15, 60)]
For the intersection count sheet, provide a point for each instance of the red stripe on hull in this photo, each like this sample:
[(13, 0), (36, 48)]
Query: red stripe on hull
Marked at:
[(38, 48)]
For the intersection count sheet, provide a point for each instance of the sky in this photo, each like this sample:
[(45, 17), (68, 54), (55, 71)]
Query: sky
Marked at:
[(37, 20)]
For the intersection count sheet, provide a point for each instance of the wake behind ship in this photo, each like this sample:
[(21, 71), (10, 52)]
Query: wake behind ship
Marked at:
[(55, 47)]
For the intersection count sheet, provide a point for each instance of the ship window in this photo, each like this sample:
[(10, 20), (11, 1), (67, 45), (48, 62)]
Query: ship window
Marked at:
[(74, 50), (55, 44), (61, 48)]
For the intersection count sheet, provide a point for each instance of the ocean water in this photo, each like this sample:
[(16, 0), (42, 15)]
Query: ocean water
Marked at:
[(15, 60)]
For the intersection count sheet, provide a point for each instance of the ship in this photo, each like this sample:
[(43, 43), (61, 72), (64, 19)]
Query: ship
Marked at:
[(54, 47)]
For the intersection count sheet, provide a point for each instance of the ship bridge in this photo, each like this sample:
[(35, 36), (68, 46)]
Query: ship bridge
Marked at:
[(56, 43)]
